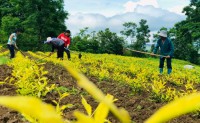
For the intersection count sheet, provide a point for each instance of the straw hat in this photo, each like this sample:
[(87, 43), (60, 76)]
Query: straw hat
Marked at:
[(163, 33), (49, 39)]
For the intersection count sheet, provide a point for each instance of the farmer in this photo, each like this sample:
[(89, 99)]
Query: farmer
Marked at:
[(56, 44), (66, 38), (166, 50), (12, 42)]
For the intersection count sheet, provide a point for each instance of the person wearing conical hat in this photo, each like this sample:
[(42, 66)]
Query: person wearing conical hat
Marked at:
[(166, 51), (56, 44)]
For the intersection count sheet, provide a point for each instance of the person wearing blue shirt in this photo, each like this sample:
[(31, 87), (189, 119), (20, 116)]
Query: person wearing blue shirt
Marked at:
[(12, 43), (166, 51)]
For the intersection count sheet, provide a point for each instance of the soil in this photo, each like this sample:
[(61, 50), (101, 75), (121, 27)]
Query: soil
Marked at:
[(139, 106)]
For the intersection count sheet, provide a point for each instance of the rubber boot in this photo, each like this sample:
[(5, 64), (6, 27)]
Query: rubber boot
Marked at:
[(169, 71), (161, 70)]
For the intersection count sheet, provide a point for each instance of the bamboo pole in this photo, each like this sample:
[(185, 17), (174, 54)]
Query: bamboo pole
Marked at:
[(21, 52), (145, 52)]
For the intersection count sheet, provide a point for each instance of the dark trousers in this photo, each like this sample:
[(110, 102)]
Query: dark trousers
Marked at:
[(68, 53), (169, 62), (12, 50), (60, 51)]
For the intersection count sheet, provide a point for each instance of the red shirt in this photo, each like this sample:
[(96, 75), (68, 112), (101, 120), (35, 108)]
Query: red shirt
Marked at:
[(65, 38)]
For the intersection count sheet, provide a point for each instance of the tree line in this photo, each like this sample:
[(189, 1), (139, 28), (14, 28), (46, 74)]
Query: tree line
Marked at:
[(42, 18), (37, 19)]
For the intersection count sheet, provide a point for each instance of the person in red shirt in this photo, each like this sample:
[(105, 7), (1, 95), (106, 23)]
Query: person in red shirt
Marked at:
[(66, 38)]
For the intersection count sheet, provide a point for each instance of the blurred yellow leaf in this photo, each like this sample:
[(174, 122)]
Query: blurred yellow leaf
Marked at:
[(176, 108), (45, 113), (81, 118), (64, 95), (88, 108), (102, 110)]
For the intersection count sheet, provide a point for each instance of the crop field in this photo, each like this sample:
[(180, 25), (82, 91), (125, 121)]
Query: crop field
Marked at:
[(78, 88)]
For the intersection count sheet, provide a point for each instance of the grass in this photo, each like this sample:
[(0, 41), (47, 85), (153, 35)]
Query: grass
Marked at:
[(4, 60)]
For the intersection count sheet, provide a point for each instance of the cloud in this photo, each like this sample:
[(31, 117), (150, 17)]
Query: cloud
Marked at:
[(81, 20), (91, 20), (130, 5), (150, 11), (156, 19), (177, 9)]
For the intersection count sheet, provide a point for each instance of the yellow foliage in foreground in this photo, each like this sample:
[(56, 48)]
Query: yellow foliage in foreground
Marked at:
[(33, 107), (176, 108), (47, 114)]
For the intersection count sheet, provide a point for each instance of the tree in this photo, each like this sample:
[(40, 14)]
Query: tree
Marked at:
[(187, 35), (38, 18), (94, 43), (80, 41), (129, 30), (100, 42), (109, 42), (142, 37), (83, 32), (8, 23)]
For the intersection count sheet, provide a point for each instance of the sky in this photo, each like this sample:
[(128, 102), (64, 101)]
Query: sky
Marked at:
[(101, 14)]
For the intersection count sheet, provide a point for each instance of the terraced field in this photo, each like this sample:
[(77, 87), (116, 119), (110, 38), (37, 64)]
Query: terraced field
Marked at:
[(135, 82)]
